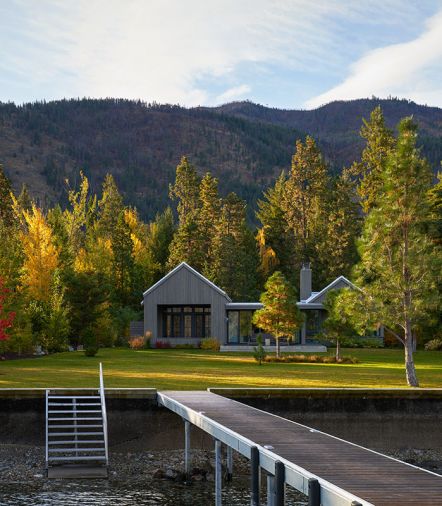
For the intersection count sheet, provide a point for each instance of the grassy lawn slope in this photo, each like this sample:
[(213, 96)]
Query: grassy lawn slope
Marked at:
[(198, 369)]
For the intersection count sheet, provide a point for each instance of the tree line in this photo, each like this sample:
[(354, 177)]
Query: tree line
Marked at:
[(76, 274)]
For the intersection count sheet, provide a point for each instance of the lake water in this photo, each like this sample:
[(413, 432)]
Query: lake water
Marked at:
[(100, 493)]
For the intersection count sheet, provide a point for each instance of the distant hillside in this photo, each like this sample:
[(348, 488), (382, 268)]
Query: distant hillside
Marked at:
[(246, 145)]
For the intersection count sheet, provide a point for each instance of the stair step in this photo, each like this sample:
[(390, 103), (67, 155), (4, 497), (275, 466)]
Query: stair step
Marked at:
[(83, 457), (68, 426), (72, 441), (59, 434), (71, 411), (72, 404), (75, 450), (51, 397), (71, 419)]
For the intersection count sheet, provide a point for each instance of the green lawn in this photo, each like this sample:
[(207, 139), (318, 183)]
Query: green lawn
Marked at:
[(198, 369)]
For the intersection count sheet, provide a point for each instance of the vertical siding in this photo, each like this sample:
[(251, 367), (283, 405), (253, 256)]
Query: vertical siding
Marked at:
[(186, 288)]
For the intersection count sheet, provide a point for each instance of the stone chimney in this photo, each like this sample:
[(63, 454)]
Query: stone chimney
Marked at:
[(305, 281)]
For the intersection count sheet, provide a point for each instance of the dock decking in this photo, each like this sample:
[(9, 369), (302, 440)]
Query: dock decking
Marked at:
[(347, 473)]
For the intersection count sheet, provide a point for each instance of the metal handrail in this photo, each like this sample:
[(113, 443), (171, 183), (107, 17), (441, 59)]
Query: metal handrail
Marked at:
[(47, 429), (104, 414)]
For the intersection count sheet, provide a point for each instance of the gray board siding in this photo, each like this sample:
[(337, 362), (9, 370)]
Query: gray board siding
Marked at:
[(185, 288)]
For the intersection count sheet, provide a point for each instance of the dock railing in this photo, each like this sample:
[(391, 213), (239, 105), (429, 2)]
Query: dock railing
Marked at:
[(104, 414)]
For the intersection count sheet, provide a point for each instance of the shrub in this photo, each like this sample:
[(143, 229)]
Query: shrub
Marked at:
[(105, 330), (315, 359), (89, 342), (210, 343), (434, 345), (362, 342), (259, 353), (137, 343), (185, 346), (162, 345), (91, 351)]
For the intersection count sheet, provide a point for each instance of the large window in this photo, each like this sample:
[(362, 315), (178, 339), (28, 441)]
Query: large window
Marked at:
[(186, 321), (240, 327)]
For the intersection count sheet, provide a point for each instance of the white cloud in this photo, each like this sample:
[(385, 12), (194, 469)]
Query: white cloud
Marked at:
[(233, 93), (174, 50), (407, 70)]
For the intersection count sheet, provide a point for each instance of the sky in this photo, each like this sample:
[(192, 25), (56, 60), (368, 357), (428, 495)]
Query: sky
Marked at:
[(293, 54)]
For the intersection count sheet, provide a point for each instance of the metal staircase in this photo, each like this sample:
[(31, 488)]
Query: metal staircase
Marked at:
[(76, 428)]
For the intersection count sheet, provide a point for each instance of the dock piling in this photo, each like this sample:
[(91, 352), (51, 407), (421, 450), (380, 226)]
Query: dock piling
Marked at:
[(218, 473), (229, 463), (279, 484), (270, 490), (314, 492), (187, 456), (254, 475)]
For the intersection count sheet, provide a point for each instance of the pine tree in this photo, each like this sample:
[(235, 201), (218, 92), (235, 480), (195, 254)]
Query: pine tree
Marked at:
[(208, 214), (399, 267), (110, 206), (24, 200), (275, 240), (304, 201), (280, 315), (6, 212), (83, 209), (186, 245), (159, 238), (234, 253), (336, 246), (123, 263), (379, 144), (434, 222)]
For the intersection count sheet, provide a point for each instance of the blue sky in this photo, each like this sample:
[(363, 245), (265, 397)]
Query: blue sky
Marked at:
[(281, 53)]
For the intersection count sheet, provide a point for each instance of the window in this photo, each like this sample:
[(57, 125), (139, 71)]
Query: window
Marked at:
[(240, 327), (186, 321)]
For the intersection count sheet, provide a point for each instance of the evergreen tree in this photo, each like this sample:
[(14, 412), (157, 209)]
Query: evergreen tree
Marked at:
[(234, 253), (6, 212), (379, 144), (274, 238), (186, 245), (123, 264), (399, 267), (159, 237), (110, 206), (336, 247), (24, 200), (304, 202), (83, 210), (208, 214), (280, 315), (87, 295), (434, 222)]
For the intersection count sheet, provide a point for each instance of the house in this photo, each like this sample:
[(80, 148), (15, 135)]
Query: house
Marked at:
[(184, 307)]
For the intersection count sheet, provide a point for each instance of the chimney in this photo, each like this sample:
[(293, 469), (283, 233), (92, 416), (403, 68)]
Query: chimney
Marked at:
[(305, 281)]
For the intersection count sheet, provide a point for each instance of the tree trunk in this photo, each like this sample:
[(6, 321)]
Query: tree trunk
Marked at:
[(338, 350), (278, 347), (410, 369)]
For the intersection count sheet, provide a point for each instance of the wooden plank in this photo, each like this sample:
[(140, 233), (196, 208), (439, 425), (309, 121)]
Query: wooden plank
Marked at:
[(374, 477)]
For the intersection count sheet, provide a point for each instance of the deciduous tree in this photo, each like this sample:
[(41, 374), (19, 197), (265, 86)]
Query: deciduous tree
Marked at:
[(280, 315)]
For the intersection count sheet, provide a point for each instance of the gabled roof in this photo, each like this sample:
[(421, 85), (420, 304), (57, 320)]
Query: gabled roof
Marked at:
[(316, 295), (183, 265)]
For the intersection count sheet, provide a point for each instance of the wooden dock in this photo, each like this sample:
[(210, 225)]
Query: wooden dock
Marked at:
[(344, 473)]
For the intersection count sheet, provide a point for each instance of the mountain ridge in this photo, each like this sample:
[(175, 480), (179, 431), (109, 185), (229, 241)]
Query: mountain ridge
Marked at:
[(246, 145)]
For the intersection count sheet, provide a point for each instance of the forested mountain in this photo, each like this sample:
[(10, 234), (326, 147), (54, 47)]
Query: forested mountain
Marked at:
[(244, 144)]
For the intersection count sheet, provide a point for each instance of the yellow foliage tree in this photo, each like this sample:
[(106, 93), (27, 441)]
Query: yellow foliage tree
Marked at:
[(41, 254)]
